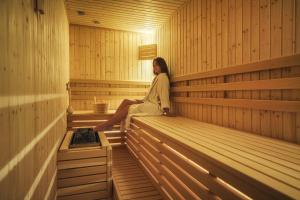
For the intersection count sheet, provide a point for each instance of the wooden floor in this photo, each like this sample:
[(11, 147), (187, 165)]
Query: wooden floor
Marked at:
[(130, 181)]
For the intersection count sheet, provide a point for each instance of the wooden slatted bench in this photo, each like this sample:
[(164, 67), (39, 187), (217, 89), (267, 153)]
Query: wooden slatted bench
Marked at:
[(129, 180), (189, 159)]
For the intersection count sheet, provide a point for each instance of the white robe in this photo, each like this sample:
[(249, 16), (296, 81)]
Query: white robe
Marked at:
[(156, 99)]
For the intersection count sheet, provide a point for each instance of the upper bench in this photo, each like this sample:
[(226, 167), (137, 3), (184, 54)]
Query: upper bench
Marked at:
[(192, 159)]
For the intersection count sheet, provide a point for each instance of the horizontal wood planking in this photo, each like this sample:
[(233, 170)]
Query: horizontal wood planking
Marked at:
[(86, 119), (81, 189), (87, 195), (105, 90), (117, 82), (123, 15), (172, 174), (84, 170), (271, 84), (89, 115), (199, 139), (272, 105), (33, 73), (106, 97), (268, 64), (130, 181), (229, 40)]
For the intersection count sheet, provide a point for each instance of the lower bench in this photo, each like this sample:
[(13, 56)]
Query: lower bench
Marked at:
[(188, 159)]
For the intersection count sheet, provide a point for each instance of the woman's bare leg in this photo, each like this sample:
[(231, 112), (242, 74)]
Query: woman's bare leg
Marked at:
[(124, 103), (119, 113), (116, 118)]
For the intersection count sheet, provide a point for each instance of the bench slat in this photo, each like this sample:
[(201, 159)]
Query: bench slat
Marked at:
[(255, 171), (226, 151), (268, 143), (284, 166), (129, 179), (173, 163)]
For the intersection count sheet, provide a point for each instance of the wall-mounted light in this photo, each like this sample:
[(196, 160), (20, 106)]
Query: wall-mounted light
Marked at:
[(147, 52), (39, 7)]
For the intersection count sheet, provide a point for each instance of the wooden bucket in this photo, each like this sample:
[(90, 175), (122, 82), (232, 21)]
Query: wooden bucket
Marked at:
[(100, 106)]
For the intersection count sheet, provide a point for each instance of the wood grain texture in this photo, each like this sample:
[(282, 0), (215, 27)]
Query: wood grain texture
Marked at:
[(130, 181), (122, 14), (34, 71), (84, 170), (257, 167), (241, 34), (100, 54)]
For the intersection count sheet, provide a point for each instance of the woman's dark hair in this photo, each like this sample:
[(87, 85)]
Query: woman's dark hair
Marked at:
[(162, 64)]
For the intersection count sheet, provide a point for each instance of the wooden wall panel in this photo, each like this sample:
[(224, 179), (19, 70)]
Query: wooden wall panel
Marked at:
[(106, 54), (33, 99), (222, 33)]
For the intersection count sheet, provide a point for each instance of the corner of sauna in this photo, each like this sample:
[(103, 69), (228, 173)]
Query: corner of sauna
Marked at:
[(66, 66)]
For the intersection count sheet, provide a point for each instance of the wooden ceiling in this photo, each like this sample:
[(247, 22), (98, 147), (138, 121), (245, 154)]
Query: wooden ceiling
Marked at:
[(131, 15)]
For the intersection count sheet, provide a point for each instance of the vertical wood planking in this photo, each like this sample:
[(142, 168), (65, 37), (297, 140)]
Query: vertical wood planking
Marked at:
[(208, 56), (230, 32), (264, 42), (34, 71), (239, 59), (247, 123), (297, 50), (219, 57), (104, 53), (288, 28), (224, 46), (231, 57), (204, 53), (276, 49), (255, 120)]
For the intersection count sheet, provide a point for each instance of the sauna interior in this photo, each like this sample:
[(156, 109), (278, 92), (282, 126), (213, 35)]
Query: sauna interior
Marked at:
[(234, 90)]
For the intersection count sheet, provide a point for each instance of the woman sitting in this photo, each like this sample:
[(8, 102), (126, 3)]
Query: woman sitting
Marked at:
[(156, 101)]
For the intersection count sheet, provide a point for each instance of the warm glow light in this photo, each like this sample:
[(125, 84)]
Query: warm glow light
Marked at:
[(147, 31), (147, 35)]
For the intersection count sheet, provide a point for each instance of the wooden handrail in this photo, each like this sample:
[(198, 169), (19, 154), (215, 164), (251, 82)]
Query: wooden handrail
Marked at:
[(107, 89), (112, 82), (105, 97), (275, 63), (272, 84), (273, 105)]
